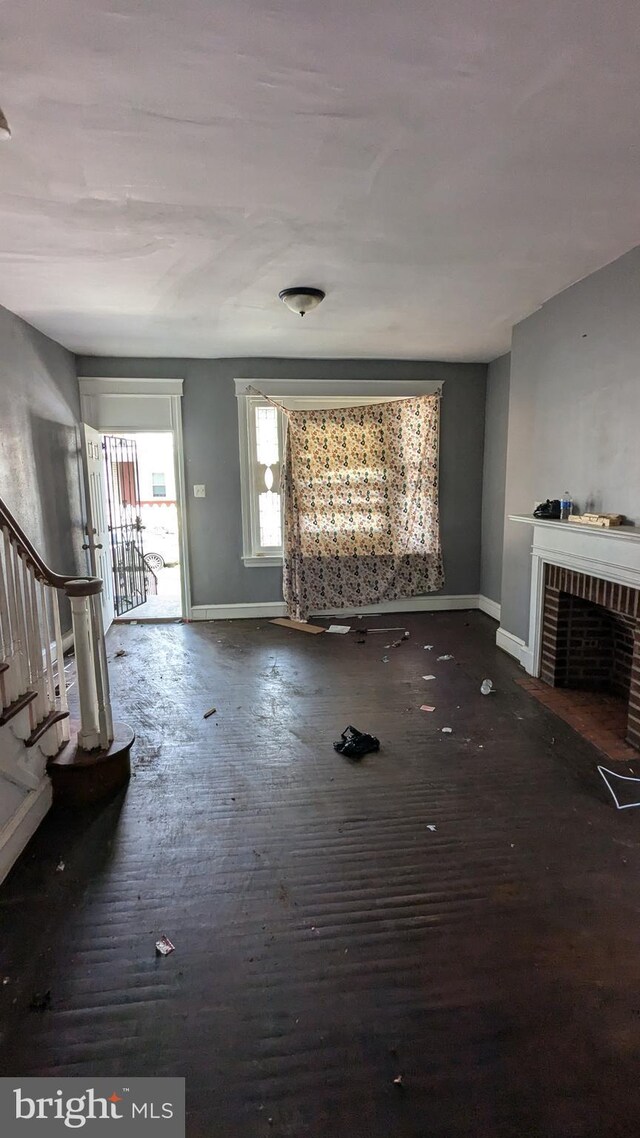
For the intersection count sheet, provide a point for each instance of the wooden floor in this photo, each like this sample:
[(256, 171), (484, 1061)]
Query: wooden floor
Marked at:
[(328, 939)]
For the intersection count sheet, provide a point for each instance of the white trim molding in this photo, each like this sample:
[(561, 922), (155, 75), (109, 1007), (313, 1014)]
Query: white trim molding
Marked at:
[(435, 602), (296, 393), (106, 385), (23, 825), (510, 643), (612, 554), (492, 608)]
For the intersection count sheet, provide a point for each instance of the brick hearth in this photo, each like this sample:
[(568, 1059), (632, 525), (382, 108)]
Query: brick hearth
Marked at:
[(591, 639)]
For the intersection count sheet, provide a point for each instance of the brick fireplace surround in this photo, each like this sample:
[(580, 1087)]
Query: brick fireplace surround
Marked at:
[(591, 639)]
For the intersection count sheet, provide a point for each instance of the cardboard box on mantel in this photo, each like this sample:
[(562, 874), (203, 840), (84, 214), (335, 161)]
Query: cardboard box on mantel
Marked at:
[(603, 520)]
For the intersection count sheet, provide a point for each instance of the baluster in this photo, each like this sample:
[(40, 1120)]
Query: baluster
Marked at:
[(20, 624), (63, 703), (45, 633), (5, 635), (13, 678), (105, 720), (33, 648), (41, 703), (89, 733)]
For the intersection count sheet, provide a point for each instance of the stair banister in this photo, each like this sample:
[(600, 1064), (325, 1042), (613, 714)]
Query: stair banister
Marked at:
[(28, 600)]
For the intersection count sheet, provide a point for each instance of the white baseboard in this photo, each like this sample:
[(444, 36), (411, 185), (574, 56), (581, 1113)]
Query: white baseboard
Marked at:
[(436, 602), (511, 644), (492, 608), (250, 611), (17, 832)]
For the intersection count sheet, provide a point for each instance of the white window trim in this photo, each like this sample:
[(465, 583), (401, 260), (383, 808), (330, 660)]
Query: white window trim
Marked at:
[(299, 395)]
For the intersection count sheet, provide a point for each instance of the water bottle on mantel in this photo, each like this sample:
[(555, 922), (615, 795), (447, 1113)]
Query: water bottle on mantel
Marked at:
[(566, 505)]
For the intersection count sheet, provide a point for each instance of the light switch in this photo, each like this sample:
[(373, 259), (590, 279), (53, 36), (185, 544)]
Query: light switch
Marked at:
[(199, 492)]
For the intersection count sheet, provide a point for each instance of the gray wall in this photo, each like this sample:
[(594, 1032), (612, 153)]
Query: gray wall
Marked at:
[(210, 420), (493, 476), (39, 443), (574, 410)]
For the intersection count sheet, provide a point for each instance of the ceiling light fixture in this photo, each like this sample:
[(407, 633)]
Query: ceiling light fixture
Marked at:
[(301, 299)]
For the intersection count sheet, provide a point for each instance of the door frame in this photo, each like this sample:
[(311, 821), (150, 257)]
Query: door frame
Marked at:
[(107, 404)]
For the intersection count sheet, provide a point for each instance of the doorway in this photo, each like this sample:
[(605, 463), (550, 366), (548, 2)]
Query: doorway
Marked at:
[(133, 529), (156, 509)]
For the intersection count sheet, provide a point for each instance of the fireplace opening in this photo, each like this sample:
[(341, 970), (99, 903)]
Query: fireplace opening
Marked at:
[(591, 645), (594, 648)]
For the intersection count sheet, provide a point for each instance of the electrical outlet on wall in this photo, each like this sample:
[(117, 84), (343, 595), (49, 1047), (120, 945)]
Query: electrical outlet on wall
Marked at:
[(199, 491)]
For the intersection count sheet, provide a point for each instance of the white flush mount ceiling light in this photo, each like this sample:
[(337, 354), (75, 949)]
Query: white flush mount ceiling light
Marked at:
[(5, 129), (301, 299)]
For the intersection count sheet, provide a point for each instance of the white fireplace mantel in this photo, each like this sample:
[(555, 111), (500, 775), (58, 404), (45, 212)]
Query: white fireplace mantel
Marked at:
[(613, 554)]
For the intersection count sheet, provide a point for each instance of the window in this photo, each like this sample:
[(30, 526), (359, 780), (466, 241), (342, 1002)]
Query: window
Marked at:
[(262, 433), (262, 448), (159, 485)]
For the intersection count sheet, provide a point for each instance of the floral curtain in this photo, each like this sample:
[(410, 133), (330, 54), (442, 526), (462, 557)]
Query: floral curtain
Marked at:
[(361, 521)]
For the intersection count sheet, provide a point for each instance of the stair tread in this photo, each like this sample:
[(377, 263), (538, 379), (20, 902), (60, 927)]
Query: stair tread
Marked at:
[(17, 706), (44, 725)]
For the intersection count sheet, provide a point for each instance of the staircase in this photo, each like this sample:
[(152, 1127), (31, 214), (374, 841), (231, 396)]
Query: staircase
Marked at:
[(42, 755)]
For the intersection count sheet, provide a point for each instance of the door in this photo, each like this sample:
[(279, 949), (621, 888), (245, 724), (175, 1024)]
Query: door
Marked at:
[(125, 525), (97, 541)]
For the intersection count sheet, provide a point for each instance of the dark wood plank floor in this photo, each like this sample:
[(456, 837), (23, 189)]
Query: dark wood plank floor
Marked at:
[(326, 939)]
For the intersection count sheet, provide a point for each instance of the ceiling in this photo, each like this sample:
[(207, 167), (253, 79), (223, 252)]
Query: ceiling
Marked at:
[(439, 168)]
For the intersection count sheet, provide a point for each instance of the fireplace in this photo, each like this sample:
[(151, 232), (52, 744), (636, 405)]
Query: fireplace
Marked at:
[(584, 629), (590, 638)]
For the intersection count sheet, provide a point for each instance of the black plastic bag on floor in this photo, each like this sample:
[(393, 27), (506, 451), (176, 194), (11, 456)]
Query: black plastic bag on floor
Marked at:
[(354, 744)]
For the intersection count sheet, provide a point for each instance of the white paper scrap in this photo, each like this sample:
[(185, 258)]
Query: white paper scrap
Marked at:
[(447, 730), (339, 628), (448, 657), (428, 677)]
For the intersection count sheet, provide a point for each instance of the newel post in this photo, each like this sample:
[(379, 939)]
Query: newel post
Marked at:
[(88, 651)]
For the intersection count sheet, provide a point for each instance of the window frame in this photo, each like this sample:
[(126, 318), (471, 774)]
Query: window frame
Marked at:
[(158, 474), (299, 395), (253, 554)]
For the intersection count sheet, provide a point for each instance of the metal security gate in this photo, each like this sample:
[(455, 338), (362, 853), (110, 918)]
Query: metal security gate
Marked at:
[(125, 526)]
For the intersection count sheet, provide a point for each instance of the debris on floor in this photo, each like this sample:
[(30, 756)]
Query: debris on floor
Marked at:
[(211, 711), (121, 652), (619, 781), (342, 628), (385, 659), (398, 1081), (297, 625), (362, 640), (41, 1001), (447, 657), (164, 946), (60, 866), (428, 677), (398, 629), (6, 980), (425, 707), (431, 827), (447, 730), (427, 647), (354, 744), (486, 687)]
